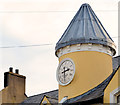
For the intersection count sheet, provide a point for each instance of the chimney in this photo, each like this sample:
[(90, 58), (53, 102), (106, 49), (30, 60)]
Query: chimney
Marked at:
[(11, 78), (15, 83), (6, 76), (17, 71), (10, 69)]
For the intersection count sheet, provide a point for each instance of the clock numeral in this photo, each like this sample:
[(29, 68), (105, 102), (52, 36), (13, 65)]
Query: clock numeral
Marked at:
[(66, 75), (70, 74)]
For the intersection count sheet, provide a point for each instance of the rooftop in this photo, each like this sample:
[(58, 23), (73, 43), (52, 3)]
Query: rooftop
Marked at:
[(85, 27)]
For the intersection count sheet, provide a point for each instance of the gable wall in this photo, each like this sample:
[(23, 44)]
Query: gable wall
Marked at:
[(112, 86), (45, 100)]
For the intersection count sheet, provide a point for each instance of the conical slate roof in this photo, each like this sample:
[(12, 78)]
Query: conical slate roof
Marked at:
[(85, 27)]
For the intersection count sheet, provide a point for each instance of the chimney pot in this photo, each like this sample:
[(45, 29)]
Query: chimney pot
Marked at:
[(17, 71), (11, 69)]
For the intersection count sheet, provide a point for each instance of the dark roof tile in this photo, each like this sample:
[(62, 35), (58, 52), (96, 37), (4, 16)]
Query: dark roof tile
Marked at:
[(116, 62)]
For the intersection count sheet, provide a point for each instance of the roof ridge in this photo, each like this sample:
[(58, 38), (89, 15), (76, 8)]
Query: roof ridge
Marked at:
[(116, 56), (51, 97), (43, 93)]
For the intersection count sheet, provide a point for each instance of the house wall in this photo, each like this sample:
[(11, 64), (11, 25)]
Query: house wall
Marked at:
[(91, 68), (15, 91), (0, 97), (113, 87)]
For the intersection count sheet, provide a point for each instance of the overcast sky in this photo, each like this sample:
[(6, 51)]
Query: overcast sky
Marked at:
[(36, 22)]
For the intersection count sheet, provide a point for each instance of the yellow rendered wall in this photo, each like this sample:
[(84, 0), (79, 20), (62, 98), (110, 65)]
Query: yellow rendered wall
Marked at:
[(91, 68), (114, 84), (45, 99)]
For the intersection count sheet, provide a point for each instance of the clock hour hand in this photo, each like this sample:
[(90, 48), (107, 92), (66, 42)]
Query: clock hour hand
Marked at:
[(65, 70)]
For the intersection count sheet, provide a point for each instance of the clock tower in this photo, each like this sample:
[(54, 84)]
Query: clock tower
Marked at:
[(85, 53)]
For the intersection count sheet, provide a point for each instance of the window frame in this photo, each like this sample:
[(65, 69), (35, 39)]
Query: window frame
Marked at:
[(114, 94)]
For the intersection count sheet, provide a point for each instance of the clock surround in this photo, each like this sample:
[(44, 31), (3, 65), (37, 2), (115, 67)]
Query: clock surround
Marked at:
[(65, 71)]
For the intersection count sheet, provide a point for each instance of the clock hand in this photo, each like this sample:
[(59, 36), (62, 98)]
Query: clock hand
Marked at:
[(64, 73), (65, 70)]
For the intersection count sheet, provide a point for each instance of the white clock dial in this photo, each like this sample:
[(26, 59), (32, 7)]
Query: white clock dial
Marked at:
[(65, 71)]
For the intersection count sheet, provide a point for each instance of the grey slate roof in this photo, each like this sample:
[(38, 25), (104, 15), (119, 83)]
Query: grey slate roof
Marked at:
[(116, 62), (38, 98), (85, 27), (52, 100), (92, 94)]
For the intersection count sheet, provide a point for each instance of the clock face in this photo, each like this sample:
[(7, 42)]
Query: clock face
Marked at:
[(65, 72)]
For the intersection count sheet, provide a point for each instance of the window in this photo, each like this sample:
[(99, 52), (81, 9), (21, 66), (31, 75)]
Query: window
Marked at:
[(118, 98), (115, 96)]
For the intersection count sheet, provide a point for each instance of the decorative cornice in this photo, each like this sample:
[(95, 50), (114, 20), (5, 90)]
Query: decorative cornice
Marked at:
[(85, 47)]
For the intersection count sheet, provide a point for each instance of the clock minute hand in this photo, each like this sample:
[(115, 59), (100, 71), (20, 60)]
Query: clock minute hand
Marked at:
[(64, 73)]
